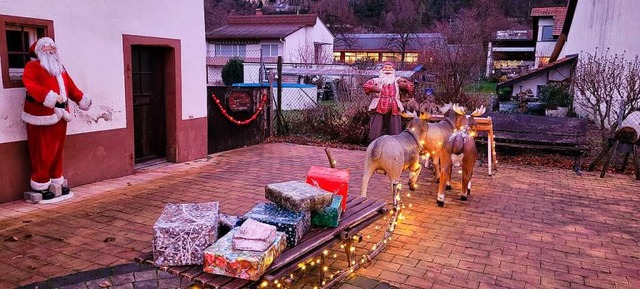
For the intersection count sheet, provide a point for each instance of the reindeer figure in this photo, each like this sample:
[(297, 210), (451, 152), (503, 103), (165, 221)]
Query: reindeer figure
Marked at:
[(438, 132), (459, 147), (393, 154)]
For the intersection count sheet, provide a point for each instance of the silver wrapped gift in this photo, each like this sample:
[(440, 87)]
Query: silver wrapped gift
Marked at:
[(298, 196), (183, 231)]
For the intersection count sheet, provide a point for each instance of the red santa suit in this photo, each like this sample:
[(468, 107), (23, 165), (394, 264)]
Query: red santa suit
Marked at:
[(47, 119)]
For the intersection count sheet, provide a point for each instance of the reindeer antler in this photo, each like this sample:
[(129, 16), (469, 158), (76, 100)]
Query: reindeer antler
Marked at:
[(479, 111), (408, 114), (458, 109)]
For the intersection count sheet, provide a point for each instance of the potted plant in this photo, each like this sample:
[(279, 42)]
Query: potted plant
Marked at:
[(557, 97)]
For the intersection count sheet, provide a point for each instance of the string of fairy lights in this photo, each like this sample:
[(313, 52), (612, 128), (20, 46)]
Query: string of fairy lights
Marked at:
[(329, 277)]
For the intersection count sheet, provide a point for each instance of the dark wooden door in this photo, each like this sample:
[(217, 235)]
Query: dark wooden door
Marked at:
[(149, 116)]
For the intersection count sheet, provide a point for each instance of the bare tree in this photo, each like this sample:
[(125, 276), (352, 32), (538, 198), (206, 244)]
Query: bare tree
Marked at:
[(457, 61), (403, 19), (604, 84)]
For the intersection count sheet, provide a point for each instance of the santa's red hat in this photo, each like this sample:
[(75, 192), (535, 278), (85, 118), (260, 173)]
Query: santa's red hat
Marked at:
[(32, 51), (389, 63)]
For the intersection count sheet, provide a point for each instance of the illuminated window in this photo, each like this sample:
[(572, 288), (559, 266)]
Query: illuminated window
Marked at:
[(411, 57), (350, 57), (336, 57), (374, 56), (543, 60), (393, 57)]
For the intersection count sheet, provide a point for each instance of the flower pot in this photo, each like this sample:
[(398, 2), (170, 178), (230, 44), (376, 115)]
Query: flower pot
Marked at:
[(508, 106), (558, 112), (536, 108)]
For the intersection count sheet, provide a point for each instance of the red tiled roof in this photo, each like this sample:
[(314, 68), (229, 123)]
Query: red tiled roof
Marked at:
[(558, 13), (261, 26), (301, 19)]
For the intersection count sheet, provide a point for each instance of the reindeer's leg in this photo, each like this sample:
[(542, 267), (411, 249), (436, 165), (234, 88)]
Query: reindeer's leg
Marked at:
[(448, 183), (368, 172), (414, 172), (395, 192), (467, 172), (445, 171)]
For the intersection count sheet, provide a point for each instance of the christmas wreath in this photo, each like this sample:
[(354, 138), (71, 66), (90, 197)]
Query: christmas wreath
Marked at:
[(240, 122)]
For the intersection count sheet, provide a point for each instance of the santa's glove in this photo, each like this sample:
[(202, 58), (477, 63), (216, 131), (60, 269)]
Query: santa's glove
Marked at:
[(85, 103), (50, 99)]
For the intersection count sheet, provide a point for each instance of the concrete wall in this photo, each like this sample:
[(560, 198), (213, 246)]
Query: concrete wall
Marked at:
[(605, 24), (89, 38), (94, 40), (600, 25)]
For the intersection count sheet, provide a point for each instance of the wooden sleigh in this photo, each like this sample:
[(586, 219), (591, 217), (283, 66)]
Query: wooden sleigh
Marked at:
[(360, 213)]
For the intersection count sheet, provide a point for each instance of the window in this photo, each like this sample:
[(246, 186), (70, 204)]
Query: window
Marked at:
[(349, 57), (547, 33), (16, 36), (270, 50), (231, 50), (336, 56), (411, 57)]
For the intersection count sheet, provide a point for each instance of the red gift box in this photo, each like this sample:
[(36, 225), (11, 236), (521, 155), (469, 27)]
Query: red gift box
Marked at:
[(333, 180)]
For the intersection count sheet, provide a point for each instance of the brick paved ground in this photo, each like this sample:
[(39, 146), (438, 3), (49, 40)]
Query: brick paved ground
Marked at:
[(526, 227)]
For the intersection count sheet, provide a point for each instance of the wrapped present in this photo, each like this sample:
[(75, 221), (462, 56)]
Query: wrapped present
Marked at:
[(329, 216), (294, 224), (297, 196), (228, 222), (332, 180), (183, 231), (222, 259), (254, 236)]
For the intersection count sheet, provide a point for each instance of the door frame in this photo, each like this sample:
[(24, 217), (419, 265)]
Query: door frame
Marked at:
[(172, 84)]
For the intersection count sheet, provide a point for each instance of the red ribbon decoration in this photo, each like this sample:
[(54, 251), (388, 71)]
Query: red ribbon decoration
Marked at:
[(240, 122)]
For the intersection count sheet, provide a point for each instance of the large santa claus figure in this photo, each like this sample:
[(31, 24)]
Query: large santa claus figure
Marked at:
[(385, 101), (46, 112)]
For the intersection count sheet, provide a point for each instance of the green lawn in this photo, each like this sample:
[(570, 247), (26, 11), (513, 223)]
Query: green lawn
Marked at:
[(482, 87)]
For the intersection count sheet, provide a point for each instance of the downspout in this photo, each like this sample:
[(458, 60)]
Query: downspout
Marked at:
[(558, 48)]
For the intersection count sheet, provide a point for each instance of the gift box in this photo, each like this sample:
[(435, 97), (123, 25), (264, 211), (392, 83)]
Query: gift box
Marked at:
[(294, 224), (297, 196), (228, 222), (329, 216), (220, 258), (332, 180), (254, 236), (183, 231)]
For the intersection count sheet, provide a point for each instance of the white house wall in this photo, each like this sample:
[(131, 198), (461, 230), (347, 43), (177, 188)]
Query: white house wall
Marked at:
[(89, 38), (543, 48), (558, 74), (299, 46), (611, 24)]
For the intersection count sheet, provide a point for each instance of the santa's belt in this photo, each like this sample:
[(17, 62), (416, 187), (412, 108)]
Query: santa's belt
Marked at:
[(58, 105)]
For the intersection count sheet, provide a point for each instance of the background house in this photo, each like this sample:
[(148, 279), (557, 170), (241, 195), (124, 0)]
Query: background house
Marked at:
[(374, 48), (299, 39), (547, 26), (510, 54), (135, 59), (587, 25)]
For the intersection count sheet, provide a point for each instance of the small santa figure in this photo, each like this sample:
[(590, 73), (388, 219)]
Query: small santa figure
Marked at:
[(46, 112), (386, 105)]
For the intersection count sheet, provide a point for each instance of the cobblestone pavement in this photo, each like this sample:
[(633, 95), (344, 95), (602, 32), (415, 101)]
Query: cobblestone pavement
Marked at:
[(526, 227)]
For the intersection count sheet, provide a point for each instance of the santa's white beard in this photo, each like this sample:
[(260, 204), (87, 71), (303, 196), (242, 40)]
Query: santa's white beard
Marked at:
[(51, 63), (387, 79)]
